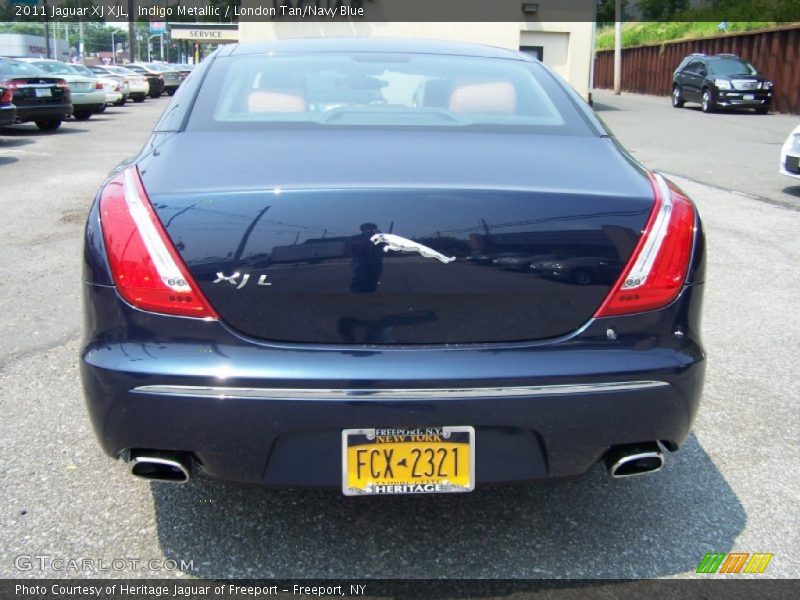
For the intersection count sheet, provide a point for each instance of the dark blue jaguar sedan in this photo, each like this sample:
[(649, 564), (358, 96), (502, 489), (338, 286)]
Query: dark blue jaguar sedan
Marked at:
[(320, 271)]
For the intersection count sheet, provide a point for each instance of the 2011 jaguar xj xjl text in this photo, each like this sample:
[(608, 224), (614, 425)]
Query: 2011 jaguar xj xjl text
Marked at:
[(390, 266)]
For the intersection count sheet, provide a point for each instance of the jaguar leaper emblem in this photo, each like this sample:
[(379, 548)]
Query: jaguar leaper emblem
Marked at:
[(401, 244)]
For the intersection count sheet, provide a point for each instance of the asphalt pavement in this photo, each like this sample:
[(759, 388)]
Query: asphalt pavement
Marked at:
[(732, 487), (737, 151)]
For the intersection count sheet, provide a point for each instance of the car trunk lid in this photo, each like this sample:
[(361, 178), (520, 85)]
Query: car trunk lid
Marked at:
[(33, 91), (399, 244)]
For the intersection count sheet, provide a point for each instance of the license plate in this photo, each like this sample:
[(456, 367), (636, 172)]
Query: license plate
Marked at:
[(43, 93), (427, 460), (749, 96)]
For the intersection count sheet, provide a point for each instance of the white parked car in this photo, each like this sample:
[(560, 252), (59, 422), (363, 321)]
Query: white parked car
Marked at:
[(114, 88), (790, 155), (113, 91), (137, 85)]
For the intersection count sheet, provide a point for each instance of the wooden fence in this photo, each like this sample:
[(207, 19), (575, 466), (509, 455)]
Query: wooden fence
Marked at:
[(648, 69)]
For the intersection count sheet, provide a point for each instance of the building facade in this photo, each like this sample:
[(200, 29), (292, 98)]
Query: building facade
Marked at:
[(18, 45), (566, 46)]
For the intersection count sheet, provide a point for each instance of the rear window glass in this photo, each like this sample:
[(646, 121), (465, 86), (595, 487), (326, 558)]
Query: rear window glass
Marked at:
[(375, 89), (55, 68), (82, 70), (19, 69)]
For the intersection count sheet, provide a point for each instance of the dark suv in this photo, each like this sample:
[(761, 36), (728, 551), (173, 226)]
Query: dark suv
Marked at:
[(720, 81)]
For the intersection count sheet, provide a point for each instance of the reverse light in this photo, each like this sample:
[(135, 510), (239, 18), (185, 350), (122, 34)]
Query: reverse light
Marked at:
[(722, 84), (658, 266), (147, 269)]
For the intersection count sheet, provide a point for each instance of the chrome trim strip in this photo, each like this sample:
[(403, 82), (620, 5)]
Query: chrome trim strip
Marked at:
[(198, 391)]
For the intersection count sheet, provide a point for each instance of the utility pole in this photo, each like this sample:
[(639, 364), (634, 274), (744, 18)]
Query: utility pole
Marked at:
[(132, 40), (47, 28), (81, 48), (618, 47)]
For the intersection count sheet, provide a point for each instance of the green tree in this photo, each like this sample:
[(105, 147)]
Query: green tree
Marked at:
[(656, 10), (606, 10)]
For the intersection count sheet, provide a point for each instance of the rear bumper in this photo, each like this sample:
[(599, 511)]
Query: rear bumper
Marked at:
[(8, 114), (261, 433), (89, 100), (112, 97), (139, 88), (44, 112)]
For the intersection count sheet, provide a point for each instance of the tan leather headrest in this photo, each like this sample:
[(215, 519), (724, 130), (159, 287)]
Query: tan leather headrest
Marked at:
[(489, 97), (266, 101)]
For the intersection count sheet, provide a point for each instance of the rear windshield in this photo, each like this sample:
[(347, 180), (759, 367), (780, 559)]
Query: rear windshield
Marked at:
[(56, 68), (728, 67), (19, 69), (380, 89), (82, 70), (159, 68)]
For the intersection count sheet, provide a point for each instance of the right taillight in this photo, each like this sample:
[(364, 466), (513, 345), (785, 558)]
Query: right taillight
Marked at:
[(657, 269), (147, 269)]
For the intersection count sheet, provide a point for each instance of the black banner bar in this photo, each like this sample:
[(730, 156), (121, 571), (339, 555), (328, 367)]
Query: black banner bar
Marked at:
[(751, 588), (232, 11)]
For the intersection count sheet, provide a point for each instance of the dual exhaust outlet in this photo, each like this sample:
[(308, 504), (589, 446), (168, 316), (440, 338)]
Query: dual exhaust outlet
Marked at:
[(621, 461)]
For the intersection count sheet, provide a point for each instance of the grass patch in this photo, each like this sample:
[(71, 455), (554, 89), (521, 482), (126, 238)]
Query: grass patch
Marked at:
[(637, 34)]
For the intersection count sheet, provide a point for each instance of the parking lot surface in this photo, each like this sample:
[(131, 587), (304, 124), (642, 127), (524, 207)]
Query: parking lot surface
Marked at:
[(732, 487), (736, 151)]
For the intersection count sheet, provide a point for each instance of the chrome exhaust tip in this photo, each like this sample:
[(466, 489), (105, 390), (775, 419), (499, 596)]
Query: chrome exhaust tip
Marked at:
[(159, 467), (634, 459)]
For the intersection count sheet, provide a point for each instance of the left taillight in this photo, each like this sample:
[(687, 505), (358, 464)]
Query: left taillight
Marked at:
[(657, 269), (98, 85), (147, 269), (6, 96)]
